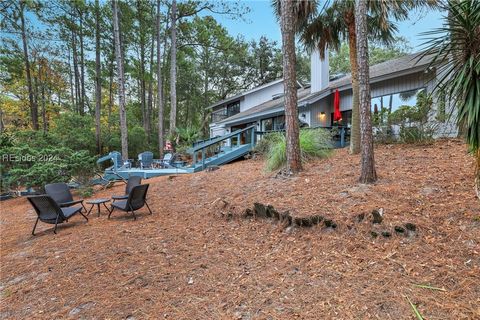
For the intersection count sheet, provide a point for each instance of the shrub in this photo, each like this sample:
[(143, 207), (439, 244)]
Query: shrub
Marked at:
[(413, 122), (74, 132), (34, 167), (416, 135), (314, 143), (263, 146)]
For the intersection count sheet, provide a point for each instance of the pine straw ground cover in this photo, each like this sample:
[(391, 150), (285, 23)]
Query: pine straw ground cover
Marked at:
[(187, 261)]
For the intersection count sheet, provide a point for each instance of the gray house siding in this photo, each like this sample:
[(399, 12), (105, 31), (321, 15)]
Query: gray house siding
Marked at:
[(316, 109), (382, 88)]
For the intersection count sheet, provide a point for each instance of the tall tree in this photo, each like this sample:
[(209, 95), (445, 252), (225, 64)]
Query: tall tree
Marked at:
[(368, 173), (159, 84), (80, 10), (456, 51), (287, 25), (31, 98), (98, 77), (173, 68), (121, 82), (292, 15), (150, 101), (141, 41)]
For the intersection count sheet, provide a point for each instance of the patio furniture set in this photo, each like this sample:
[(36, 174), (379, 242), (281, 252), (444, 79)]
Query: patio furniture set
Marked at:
[(58, 206)]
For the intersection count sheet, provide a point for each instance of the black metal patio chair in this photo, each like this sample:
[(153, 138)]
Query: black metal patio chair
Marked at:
[(132, 182), (49, 211), (62, 195), (136, 200)]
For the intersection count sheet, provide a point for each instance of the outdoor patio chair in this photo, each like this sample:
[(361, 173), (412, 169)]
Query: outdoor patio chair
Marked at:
[(132, 182), (167, 160), (49, 211), (146, 160), (61, 194), (136, 200)]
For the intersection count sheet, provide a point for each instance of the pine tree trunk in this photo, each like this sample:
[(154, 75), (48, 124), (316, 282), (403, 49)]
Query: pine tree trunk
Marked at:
[(33, 104), (205, 92), (142, 91), (70, 76), (159, 86), (110, 89), (76, 74), (368, 173), (173, 69), (121, 82), (355, 129), (98, 81), (294, 163), (82, 69), (44, 110), (150, 90)]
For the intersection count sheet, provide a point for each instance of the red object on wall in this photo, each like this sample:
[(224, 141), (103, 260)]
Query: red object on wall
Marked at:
[(337, 115)]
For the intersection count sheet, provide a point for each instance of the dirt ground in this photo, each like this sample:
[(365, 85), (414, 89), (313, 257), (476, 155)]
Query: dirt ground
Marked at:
[(187, 261)]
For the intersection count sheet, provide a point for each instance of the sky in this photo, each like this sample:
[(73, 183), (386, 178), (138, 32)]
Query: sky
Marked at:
[(261, 21)]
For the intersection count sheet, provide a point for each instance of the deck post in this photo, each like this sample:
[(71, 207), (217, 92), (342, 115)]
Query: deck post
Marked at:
[(203, 159), (252, 134), (342, 137), (238, 139)]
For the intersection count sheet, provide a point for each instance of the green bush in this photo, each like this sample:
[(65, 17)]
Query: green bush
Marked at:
[(34, 167), (416, 134), (75, 132), (263, 146), (413, 121), (314, 143)]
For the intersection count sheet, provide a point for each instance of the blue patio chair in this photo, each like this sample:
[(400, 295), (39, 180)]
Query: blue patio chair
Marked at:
[(146, 160)]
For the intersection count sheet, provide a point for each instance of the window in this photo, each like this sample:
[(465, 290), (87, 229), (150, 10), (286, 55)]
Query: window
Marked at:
[(225, 112), (279, 123), (233, 108), (267, 124), (219, 115), (392, 102)]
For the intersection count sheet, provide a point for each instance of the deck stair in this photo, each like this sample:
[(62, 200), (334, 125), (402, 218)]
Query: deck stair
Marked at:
[(222, 150)]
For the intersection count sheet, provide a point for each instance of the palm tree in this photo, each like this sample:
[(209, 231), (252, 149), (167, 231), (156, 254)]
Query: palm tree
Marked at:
[(368, 173), (456, 50), (292, 15), (337, 23)]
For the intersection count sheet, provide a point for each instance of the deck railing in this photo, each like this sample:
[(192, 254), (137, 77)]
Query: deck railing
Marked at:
[(215, 142)]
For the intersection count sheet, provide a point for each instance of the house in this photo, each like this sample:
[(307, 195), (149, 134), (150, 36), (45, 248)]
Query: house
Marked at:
[(393, 83)]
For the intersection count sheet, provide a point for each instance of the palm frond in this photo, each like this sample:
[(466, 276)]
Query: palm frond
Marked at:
[(456, 50)]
